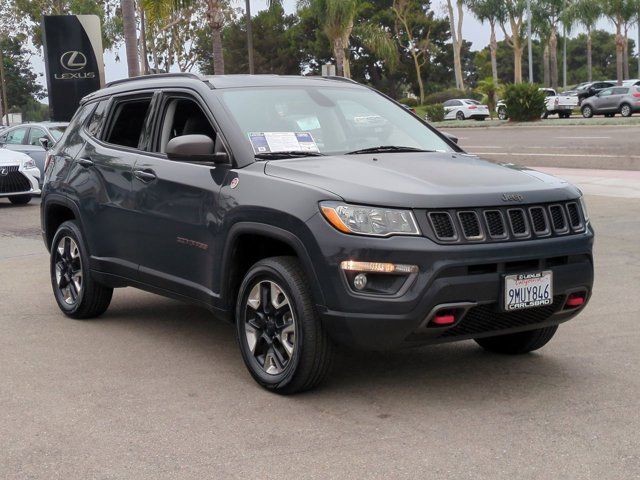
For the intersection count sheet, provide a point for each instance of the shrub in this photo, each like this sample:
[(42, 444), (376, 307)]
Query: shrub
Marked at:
[(409, 102), (434, 113), (450, 93), (525, 103)]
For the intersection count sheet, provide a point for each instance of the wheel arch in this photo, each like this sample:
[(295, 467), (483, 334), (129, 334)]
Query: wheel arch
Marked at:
[(56, 211), (249, 242)]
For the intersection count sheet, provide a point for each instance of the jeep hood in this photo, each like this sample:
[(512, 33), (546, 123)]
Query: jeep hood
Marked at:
[(423, 180)]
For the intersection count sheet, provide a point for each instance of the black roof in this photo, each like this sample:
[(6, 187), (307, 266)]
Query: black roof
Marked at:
[(163, 80)]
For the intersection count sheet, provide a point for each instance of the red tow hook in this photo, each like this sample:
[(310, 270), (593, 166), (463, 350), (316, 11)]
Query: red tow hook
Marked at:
[(575, 300), (443, 318)]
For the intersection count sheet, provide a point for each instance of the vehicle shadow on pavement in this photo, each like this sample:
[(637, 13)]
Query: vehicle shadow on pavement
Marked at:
[(462, 368)]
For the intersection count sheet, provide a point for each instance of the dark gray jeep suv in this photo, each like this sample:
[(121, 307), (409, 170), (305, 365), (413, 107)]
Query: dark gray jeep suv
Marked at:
[(310, 212)]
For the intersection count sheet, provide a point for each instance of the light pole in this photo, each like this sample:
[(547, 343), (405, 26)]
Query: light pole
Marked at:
[(249, 35), (529, 41), (564, 58)]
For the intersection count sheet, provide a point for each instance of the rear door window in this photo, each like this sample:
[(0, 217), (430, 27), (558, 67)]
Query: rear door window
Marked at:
[(620, 91), (127, 122), (35, 134)]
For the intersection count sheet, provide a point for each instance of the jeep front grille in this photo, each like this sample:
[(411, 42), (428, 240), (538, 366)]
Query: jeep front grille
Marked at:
[(477, 225), (13, 181)]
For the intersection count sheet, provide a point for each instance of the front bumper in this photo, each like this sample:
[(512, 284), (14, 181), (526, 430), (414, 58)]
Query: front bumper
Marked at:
[(448, 274), (20, 182)]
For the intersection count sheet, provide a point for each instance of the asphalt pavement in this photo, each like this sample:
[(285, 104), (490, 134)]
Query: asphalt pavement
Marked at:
[(156, 389), (554, 145)]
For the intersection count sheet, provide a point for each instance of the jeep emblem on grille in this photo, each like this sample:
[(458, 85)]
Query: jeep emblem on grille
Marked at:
[(512, 197), (4, 172)]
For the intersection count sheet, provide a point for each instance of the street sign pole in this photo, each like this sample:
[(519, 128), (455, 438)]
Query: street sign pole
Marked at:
[(529, 41)]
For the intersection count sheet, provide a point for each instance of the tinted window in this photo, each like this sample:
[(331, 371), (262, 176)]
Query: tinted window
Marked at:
[(15, 137), (127, 122), (472, 102), (620, 91), (448, 103), (606, 93), (455, 103), (35, 134), (97, 118), (183, 117)]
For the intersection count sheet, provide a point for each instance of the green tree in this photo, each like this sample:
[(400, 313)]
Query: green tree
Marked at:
[(456, 39), (489, 89), (547, 15), (620, 12), (22, 87), (340, 20), (130, 37), (586, 13), (514, 18), (492, 12)]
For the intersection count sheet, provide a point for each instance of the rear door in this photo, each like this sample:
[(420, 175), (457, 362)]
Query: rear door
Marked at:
[(603, 102), (176, 202), (34, 148), (618, 96), (115, 137)]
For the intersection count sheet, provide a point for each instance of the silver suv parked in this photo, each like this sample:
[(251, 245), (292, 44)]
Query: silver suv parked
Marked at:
[(622, 100)]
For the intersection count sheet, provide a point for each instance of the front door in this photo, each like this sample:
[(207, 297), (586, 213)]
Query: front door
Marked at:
[(176, 204)]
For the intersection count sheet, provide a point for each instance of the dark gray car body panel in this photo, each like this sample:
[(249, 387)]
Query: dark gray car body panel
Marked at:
[(175, 233)]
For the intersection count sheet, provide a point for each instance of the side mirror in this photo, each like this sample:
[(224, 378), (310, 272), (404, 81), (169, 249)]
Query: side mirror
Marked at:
[(452, 138), (194, 148), (44, 141)]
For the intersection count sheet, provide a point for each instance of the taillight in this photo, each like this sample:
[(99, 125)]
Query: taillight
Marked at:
[(636, 94), (47, 160), (472, 107)]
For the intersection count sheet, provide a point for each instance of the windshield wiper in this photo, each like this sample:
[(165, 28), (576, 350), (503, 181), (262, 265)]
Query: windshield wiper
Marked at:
[(288, 154), (386, 149)]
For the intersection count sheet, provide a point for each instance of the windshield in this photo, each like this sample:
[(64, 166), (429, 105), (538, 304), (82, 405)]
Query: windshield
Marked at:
[(56, 132), (329, 120)]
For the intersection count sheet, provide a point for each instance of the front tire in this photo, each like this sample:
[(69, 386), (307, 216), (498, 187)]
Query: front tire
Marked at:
[(20, 199), (77, 294), (518, 343), (281, 337), (587, 111)]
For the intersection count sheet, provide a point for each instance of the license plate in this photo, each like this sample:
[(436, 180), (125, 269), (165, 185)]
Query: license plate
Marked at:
[(528, 290)]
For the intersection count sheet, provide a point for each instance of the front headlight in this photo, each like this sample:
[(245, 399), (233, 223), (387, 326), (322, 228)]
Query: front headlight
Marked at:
[(375, 221), (585, 212), (29, 164)]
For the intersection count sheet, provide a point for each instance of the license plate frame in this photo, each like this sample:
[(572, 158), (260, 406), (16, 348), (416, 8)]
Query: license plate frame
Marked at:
[(528, 296)]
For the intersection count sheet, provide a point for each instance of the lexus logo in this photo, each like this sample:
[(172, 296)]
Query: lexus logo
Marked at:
[(73, 60), (4, 172)]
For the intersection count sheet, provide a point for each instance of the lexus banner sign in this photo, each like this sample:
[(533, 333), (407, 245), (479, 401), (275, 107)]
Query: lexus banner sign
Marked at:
[(73, 61)]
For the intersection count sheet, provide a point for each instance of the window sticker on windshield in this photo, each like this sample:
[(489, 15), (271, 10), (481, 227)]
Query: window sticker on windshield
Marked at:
[(265, 142)]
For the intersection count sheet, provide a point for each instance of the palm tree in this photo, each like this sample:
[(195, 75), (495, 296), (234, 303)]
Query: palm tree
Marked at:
[(587, 13), (619, 12), (457, 40), (270, 3), (514, 17), (338, 18), (547, 15), (130, 37), (491, 11)]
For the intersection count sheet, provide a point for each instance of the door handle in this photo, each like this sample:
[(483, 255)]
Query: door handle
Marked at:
[(145, 175), (85, 162)]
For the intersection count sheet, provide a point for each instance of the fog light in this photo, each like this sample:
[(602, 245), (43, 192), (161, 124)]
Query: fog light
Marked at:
[(378, 267), (360, 281)]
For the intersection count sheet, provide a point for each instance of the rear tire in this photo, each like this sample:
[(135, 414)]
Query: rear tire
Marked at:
[(502, 113), (281, 337), (587, 111), (77, 294), (518, 343), (625, 110), (20, 199), (460, 115)]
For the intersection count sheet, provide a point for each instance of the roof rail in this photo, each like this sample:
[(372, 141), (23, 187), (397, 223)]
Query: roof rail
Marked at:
[(339, 79), (153, 76)]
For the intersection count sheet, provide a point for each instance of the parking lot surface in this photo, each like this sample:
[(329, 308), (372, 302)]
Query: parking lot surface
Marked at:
[(156, 389), (555, 145)]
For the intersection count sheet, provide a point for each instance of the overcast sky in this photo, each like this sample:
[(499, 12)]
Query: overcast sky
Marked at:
[(472, 30)]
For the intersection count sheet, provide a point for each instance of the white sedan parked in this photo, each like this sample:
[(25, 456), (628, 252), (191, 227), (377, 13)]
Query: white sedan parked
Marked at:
[(19, 177), (463, 108)]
